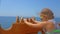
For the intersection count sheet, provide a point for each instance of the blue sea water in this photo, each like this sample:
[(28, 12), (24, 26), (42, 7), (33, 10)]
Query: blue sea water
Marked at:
[(6, 22)]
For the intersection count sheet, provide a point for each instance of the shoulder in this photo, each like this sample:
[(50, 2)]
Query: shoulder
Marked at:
[(50, 23)]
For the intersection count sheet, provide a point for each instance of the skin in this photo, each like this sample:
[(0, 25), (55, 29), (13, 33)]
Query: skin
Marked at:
[(30, 29), (35, 22), (20, 28), (27, 26), (49, 26)]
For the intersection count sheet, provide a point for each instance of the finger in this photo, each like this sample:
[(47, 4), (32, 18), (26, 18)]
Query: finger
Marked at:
[(25, 20), (28, 20), (17, 19), (32, 19), (21, 19)]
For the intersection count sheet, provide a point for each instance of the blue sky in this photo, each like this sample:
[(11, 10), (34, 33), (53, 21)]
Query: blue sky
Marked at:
[(28, 7)]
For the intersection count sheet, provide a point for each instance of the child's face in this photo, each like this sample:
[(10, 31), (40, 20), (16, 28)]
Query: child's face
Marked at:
[(43, 17)]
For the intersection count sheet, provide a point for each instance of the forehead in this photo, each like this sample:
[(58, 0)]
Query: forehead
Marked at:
[(44, 13)]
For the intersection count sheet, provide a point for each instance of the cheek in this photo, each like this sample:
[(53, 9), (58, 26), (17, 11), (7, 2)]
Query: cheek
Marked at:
[(45, 17)]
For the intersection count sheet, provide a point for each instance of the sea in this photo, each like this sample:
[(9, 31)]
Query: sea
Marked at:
[(6, 21)]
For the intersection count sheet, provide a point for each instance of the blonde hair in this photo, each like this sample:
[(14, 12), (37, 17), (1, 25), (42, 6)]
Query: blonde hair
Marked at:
[(48, 12)]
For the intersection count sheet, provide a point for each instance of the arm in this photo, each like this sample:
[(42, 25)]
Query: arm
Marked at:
[(36, 21), (38, 25), (32, 25)]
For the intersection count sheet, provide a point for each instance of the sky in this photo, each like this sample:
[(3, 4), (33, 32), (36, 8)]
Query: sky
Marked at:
[(28, 7)]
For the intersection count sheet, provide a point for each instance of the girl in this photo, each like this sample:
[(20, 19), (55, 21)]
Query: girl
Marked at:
[(47, 22)]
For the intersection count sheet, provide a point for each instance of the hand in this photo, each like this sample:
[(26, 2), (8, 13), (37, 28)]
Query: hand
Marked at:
[(28, 19), (32, 19), (25, 20)]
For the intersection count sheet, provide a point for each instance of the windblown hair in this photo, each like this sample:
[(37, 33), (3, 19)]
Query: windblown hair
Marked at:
[(48, 12)]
